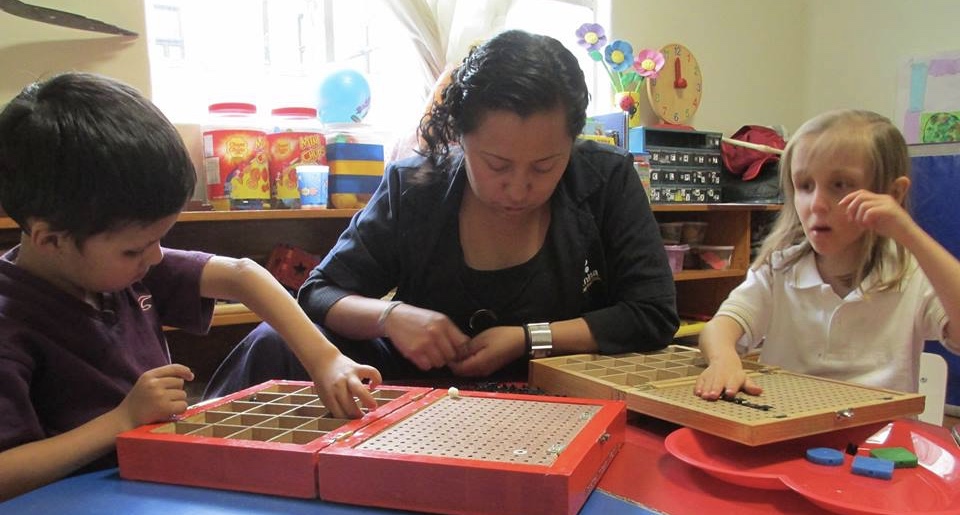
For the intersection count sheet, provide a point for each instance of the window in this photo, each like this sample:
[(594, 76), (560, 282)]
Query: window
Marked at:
[(275, 53)]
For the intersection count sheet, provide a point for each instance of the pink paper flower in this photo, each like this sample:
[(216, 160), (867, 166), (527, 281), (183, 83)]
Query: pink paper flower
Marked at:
[(648, 63)]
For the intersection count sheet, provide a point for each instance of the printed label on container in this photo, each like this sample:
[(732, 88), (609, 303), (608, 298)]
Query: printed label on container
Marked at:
[(288, 151), (242, 169)]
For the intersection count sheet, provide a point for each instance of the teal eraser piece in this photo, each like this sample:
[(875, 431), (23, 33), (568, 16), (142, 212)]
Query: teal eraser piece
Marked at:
[(901, 458), (872, 467), (825, 456)]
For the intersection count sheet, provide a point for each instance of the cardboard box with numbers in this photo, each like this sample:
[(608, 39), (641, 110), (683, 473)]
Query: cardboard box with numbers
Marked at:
[(421, 449), (660, 384)]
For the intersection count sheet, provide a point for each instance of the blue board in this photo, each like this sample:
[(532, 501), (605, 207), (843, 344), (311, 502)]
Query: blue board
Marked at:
[(935, 204)]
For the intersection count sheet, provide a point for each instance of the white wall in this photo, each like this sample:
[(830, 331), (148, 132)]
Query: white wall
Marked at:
[(862, 45), (763, 61), (776, 62), (31, 50), (750, 54)]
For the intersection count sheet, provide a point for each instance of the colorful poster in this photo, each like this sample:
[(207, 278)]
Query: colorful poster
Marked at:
[(928, 99)]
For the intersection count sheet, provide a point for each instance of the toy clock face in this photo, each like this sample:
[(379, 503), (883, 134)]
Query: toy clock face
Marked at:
[(675, 94)]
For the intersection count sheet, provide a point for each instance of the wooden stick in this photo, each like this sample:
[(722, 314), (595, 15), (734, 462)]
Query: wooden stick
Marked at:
[(754, 146)]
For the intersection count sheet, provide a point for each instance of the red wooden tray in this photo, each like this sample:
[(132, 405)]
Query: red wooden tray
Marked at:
[(264, 439)]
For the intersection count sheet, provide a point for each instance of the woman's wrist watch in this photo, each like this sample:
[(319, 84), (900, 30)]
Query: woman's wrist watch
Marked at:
[(539, 340)]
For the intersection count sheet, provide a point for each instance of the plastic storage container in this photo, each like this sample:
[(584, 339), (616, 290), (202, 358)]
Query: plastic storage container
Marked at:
[(675, 255), (296, 141), (693, 233), (671, 232), (713, 257), (356, 158), (235, 158)]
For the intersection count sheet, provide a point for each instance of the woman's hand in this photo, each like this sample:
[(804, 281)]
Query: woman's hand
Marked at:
[(427, 338), (340, 385), (490, 351), (157, 395)]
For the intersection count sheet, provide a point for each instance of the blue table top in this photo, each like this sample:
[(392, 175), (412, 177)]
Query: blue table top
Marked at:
[(105, 492)]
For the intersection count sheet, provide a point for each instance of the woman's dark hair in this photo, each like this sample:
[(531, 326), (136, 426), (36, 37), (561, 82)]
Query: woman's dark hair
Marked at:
[(514, 71), (88, 154)]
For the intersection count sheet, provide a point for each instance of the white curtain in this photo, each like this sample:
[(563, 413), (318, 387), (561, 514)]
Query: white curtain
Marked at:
[(444, 30)]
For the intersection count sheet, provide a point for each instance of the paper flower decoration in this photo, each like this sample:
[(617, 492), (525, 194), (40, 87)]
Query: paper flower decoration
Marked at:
[(626, 71)]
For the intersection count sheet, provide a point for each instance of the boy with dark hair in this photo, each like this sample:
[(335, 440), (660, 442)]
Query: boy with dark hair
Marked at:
[(95, 176)]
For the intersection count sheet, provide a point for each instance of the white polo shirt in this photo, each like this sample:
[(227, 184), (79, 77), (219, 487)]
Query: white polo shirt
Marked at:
[(806, 327)]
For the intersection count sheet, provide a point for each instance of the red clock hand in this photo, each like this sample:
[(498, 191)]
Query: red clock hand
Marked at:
[(678, 81)]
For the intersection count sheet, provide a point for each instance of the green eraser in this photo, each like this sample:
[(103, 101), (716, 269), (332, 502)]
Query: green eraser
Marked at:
[(900, 457)]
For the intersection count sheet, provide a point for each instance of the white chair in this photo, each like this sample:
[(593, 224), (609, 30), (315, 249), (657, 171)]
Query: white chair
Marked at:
[(933, 385)]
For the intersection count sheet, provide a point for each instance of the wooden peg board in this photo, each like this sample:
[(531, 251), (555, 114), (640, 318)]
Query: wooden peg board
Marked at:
[(459, 427), (264, 439), (421, 449), (660, 384), (477, 453)]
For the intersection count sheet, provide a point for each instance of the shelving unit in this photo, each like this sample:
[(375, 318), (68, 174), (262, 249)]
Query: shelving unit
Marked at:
[(700, 292), (254, 233)]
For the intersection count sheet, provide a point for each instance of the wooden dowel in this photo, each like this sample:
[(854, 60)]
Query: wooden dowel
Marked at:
[(754, 146)]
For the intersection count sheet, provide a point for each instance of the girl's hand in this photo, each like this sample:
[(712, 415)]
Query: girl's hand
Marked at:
[(427, 338), (157, 395), (878, 212), (722, 377), (340, 385), (490, 351)]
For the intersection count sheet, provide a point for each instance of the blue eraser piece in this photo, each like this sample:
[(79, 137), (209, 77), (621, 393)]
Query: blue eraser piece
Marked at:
[(872, 467), (825, 456)]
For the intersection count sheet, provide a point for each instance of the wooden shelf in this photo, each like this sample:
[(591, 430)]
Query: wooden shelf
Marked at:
[(696, 275), (229, 314), (268, 214), (306, 214), (236, 216), (693, 208), (689, 328), (234, 314)]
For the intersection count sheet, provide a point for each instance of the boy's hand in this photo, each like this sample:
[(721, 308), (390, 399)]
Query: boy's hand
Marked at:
[(340, 384), (427, 338), (722, 377), (157, 395), (877, 212)]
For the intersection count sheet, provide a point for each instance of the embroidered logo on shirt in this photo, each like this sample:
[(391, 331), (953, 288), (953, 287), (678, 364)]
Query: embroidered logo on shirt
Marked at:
[(589, 276), (146, 302)]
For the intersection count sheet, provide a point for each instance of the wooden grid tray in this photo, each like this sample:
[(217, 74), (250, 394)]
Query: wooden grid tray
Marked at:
[(264, 439), (477, 453), (660, 384)]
